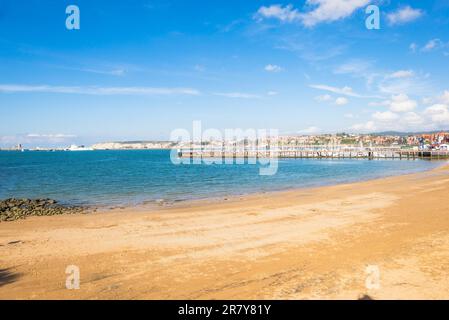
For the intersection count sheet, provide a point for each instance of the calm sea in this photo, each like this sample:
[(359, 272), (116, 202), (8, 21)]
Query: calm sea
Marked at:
[(134, 177)]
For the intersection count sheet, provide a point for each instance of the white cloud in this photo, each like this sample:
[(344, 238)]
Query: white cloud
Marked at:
[(43, 139), (50, 136), (412, 119), (401, 118), (438, 113), (320, 11), (341, 101), (402, 74), (398, 103), (416, 85), (355, 67), (349, 115), (238, 95), (427, 100), (272, 93), (404, 15), (277, 11), (368, 126), (330, 10), (310, 130), (273, 68), (347, 91), (444, 98), (388, 120), (433, 118), (386, 116), (402, 103), (432, 44), (413, 47), (323, 98), (114, 72), (12, 88)]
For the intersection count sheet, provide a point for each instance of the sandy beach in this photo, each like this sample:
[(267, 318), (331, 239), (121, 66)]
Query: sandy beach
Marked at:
[(302, 244)]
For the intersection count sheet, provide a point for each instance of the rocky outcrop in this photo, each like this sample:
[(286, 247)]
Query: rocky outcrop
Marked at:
[(15, 209), (134, 145)]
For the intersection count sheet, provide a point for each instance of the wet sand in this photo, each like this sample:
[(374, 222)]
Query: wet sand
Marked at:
[(303, 244)]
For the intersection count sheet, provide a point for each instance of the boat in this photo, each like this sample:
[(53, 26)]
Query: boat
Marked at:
[(74, 147)]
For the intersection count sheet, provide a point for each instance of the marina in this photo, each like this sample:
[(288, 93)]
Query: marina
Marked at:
[(340, 152)]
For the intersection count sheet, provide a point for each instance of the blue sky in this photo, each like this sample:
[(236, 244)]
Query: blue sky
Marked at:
[(140, 69)]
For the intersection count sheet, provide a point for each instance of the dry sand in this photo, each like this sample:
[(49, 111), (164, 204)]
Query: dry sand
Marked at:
[(303, 244)]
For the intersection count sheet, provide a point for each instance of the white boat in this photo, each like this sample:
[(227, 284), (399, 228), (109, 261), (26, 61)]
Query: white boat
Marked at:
[(78, 148)]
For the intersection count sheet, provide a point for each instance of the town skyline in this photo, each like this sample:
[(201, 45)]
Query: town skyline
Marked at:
[(423, 140)]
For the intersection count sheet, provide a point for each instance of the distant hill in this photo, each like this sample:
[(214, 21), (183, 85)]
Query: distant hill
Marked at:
[(140, 141), (133, 145), (402, 134)]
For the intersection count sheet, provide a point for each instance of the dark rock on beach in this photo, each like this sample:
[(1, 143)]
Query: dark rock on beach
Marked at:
[(15, 209)]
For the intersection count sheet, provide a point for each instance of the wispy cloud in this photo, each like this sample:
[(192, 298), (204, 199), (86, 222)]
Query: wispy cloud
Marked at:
[(273, 68), (308, 48), (113, 72), (413, 47), (341, 101), (416, 85), (401, 74), (359, 68), (349, 115), (50, 136), (432, 45), (404, 15), (43, 139), (368, 126), (346, 91), (230, 26), (238, 95), (323, 98), (355, 67), (309, 130), (276, 11), (94, 90), (386, 116)]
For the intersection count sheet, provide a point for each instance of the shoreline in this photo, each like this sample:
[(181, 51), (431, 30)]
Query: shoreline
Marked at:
[(304, 244), (180, 203)]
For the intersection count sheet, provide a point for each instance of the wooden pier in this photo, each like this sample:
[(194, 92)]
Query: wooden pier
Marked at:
[(318, 152)]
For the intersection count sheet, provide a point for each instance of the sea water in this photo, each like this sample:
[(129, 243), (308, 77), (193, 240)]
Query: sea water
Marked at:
[(129, 177)]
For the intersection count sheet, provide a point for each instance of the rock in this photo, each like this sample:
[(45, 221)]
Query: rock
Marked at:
[(15, 209)]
